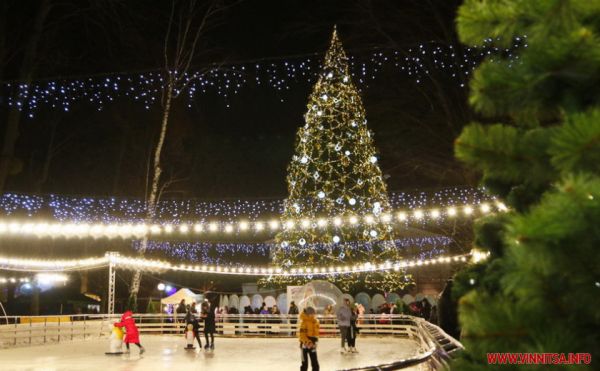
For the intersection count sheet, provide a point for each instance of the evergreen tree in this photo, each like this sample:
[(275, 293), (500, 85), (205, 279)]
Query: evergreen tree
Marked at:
[(539, 290), (334, 175)]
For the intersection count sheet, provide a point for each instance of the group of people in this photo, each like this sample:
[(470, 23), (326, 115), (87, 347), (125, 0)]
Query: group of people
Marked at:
[(262, 310), (308, 333), (192, 317), (207, 315)]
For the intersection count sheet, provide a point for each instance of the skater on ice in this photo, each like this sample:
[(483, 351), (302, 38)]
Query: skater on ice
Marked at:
[(344, 314), (132, 335), (309, 336), (208, 315), (192, 330), (353, 331)]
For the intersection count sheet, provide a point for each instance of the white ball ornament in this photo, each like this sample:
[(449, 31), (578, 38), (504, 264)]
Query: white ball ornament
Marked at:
[(373, 159), (352, 201), (321, 194), (373, 233), (336, 239)]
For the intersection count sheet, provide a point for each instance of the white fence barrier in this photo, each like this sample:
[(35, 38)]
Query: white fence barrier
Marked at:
[(435, 346)]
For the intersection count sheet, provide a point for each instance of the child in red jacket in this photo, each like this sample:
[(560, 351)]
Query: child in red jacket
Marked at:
[(132, 335)]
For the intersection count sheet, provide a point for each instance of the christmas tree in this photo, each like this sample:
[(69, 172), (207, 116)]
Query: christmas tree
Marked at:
[(334, 178), (539, 290)]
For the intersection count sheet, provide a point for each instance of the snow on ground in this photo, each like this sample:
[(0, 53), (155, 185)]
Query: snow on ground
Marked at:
[(167, 352)]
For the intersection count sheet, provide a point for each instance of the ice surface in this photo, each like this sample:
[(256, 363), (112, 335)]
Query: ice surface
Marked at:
[(238, 354)]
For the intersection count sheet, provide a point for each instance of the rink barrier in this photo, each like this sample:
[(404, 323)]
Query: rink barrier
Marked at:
[(435, 346)]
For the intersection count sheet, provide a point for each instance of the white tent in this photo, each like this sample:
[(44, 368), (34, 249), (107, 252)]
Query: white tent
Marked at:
[(185, 294)]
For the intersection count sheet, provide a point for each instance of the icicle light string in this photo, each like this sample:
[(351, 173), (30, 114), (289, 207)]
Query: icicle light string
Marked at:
[(146, 87), (120, 210), (33, 265), (220, 253), (18, 228)]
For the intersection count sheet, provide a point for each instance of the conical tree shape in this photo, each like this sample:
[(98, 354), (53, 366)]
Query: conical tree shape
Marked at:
[(334, 174)]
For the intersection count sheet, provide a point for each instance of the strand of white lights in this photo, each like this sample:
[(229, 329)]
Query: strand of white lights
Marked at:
[(147, 264), (153, 265), (14, 279), (279, 74), (15, 228), (44, 265), (126, 210), (51, 278), (477, 255)]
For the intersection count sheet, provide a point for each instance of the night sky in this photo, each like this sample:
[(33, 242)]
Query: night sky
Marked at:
[(214, 151)]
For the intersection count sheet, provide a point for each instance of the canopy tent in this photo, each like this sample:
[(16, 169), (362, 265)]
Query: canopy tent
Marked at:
[(185, 294)]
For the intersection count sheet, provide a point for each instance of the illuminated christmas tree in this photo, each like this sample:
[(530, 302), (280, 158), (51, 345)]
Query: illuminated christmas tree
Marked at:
[(334, 178)]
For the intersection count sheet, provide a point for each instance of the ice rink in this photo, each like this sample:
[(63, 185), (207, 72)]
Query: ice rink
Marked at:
[(167, 352)]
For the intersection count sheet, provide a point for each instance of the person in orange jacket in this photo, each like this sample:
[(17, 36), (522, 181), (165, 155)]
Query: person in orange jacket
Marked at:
[(309, 336)]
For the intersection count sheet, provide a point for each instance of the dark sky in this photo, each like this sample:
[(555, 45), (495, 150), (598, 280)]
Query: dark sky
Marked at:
[(215, 151)]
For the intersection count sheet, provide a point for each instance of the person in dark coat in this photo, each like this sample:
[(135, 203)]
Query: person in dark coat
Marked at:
[(425, 309), (293, 313), (353, 331), (181, 310), (209, 325), (190, 318), (447, 312)]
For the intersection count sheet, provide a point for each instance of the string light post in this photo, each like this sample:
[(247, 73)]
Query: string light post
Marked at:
[(112, 275)]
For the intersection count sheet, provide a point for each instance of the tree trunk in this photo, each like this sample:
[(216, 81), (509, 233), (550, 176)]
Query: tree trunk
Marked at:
[(121, 156), (47, 160), (153, 196), (11, 133)]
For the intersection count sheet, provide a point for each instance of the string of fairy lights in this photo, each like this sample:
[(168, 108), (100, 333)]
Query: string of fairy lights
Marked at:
[(153, 265), (42, 229), (227, 81), (221, 253), (122, 210)]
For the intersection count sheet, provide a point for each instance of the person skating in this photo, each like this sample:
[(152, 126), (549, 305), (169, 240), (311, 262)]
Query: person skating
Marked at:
[(309, 336), (180, 311), (209, 325), (132, 334), (353, 331), (190, 318), (293, 313), (344, 314)]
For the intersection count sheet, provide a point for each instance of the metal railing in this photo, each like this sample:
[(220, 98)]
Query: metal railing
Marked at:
[(435, 347)]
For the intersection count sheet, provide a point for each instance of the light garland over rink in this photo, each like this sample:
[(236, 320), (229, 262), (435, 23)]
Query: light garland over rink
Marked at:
[(122, 210), (220, 253), (21, 228), (41, 265), (118, 261), (280, 75)]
